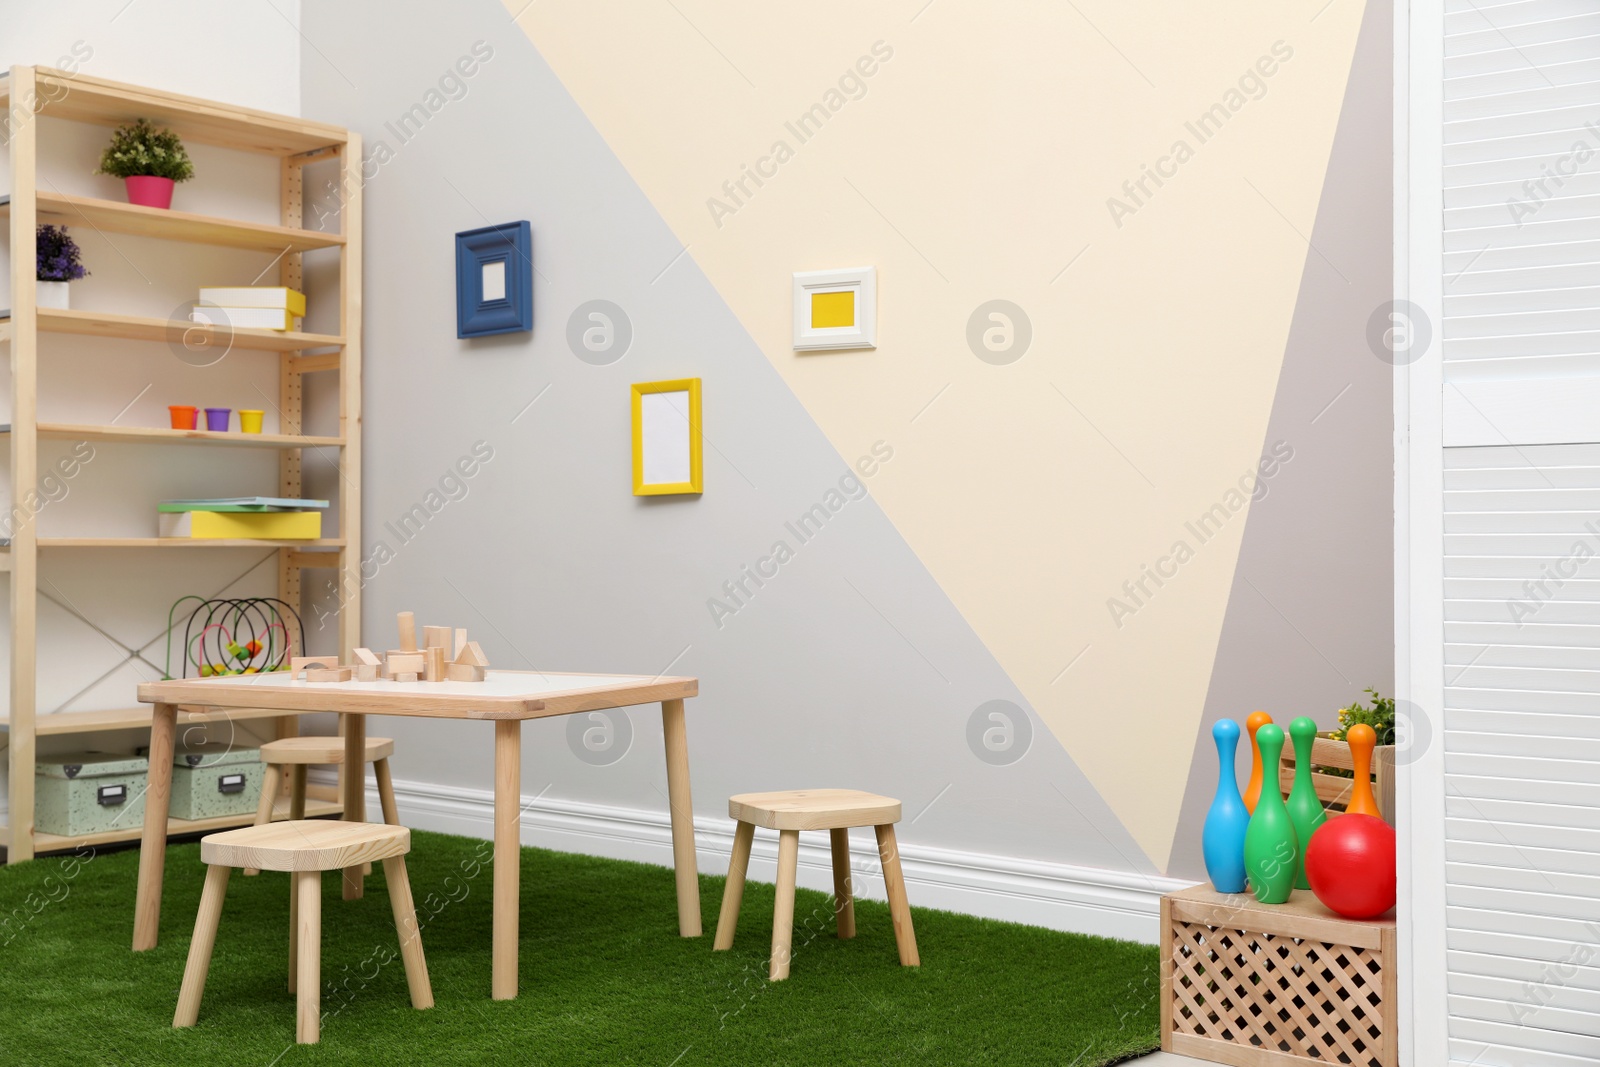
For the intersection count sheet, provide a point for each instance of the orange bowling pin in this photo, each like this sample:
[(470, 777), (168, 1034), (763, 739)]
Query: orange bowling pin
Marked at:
[(1252, 791), (1362, 738)]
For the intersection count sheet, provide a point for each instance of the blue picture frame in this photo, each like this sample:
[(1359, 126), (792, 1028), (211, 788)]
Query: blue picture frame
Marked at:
[(499, 259)]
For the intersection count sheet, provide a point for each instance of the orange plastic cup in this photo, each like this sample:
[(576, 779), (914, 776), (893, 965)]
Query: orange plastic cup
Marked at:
[(250, 421), (183, 416)]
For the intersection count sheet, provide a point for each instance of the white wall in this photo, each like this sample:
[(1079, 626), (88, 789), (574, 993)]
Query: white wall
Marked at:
[(248, 54)]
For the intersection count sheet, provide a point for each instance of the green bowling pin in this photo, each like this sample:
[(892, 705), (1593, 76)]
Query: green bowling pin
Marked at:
[(1305, 807), (1271, 848)]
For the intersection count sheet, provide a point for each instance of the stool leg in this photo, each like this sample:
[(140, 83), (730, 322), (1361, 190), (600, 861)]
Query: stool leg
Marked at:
[(894, 883), (391, 813), (844, 905), (308, 931), (297, 791), (294, 933), (366, 868), (733, 889), (783, 909), (205, 939), (405, 924), (271, 781)]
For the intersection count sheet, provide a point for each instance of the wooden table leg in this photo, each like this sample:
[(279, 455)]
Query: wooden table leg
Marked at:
[(354, 780), (680, 805), (153, 845), (507, 855)]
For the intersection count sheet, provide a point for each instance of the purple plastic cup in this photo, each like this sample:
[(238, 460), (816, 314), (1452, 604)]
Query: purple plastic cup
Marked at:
[(217, 419)]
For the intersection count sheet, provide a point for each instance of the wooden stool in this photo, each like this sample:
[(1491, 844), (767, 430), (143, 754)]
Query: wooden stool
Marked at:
[(306, 848), (833, 810), (298, 753)]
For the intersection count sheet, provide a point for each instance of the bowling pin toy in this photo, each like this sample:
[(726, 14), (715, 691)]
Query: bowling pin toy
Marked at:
[(1362, 738), (1305, 807), (1256, 721), (1223, 838), (1271, 849)]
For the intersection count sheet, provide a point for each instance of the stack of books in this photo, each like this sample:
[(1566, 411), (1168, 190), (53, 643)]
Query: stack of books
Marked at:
[(260, 307), (266, 518)]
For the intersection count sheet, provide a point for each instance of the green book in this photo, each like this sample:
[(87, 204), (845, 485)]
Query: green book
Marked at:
[(250, 504)]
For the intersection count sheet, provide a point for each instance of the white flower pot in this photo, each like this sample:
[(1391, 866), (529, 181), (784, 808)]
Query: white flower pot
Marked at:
[(54, 295)]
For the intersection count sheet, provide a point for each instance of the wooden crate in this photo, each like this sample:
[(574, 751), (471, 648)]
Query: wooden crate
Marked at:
[(1262, 985), (1333, 790)]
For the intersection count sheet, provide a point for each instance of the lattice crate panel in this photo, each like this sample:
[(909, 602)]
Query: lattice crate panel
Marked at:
[(1243, 986)]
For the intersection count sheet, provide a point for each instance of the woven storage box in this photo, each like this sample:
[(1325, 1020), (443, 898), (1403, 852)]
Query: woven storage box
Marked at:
[(1262, 985), (89, 793), (213, 779)]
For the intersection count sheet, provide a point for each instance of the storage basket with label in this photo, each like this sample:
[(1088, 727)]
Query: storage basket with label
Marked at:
[(89, 793), (215, 778)]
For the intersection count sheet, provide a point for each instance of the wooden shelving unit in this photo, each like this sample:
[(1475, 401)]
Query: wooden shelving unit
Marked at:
[(27, 91)]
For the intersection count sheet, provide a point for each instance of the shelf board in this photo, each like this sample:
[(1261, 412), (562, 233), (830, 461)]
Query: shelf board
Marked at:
[(114, 217), (86, 722), (80, 98), (144, 435), (182, 542), (55, 842), (186, 334)]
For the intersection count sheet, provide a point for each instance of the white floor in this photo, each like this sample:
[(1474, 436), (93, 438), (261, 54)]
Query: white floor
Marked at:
[(1164, 1059)]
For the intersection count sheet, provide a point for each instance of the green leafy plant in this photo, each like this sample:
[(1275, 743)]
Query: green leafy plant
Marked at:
[(1380, 717), (144, 150)]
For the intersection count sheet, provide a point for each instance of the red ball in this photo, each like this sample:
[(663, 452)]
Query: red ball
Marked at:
[(1350, 864)]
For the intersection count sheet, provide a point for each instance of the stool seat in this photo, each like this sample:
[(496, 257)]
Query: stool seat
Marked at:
[(320, 750), (305, 845), (814, 809)]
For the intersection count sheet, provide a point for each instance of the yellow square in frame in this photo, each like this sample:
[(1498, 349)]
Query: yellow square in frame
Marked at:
[(667, 449), (833, 309)]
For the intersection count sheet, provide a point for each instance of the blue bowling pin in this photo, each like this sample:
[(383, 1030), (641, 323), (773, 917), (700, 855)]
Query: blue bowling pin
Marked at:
[(1226, 822)]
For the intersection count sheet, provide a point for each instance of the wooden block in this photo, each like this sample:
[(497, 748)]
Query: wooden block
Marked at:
[(328, 674), (463, 672), (461, 642), (367, 656), (436, 637), (408, 676), (300, 663), (367, 672), (472, 653), (408, 631), (406, 662), (433, 668)]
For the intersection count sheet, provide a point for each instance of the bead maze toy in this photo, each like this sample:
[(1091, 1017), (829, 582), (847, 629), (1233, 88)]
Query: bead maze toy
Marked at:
[(236, 635), (445, 655)]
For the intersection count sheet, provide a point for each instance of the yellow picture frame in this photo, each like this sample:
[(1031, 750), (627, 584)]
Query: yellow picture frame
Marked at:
[(667, 449)]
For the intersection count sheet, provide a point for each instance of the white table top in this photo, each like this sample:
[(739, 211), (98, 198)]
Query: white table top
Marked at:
[(501, 695)]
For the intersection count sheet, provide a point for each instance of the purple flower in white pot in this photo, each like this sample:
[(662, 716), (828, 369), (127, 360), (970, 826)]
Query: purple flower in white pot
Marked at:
[(58, 261)]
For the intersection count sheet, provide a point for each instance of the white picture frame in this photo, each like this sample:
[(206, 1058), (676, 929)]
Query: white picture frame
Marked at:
[(836, 309)]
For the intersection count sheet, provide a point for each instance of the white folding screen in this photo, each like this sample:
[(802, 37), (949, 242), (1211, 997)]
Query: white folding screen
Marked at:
[(1499, 515)]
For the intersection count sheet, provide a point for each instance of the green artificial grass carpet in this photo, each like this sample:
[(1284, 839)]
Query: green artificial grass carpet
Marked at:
[(605, 978)]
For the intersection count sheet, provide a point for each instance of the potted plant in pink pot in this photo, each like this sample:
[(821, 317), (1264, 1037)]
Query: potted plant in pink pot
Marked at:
[(150, 160)]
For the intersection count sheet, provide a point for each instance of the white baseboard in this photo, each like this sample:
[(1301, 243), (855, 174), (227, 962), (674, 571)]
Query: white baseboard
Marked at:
[(1085, 900)]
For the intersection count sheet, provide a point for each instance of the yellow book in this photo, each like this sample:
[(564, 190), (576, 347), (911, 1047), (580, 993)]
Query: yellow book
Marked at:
[(268, 525)]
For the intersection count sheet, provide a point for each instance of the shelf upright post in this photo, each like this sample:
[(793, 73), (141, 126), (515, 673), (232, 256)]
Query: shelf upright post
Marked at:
[(23, 132), (290, 404), (350, 181)]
